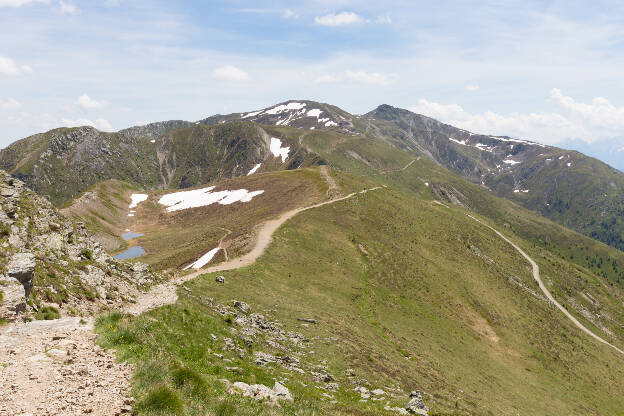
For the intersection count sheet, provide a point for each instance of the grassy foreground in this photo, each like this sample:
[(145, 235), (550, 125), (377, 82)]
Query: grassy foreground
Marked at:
[(406, 294)]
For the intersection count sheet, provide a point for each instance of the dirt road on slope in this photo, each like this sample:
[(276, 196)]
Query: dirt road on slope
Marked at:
[(549, 296), (165, 293)]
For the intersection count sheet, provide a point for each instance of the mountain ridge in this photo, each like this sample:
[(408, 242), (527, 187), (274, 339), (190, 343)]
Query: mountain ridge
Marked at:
[(575, 190)]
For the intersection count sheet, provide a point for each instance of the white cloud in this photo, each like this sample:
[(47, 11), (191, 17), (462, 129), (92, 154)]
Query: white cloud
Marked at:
[(338, 19), (621, 150), (88, 103), (100, 123), (231, 73), (10, 68), (472, 87), (598, 120), (374, 78), (326, 79), (67, 7), (19, 3), (10, 104)]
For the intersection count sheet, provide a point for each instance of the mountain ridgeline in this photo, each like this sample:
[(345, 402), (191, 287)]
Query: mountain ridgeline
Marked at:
[(568, 187)]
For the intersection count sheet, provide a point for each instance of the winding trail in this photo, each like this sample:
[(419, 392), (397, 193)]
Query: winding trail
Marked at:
[(549, 296), (165, 294)]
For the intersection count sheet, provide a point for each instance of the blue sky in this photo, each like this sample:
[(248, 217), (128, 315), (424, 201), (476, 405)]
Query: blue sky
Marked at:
[(546, 70)]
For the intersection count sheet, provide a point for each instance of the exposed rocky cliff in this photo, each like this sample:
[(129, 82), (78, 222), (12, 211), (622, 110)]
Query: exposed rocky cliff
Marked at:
[(48, 263)]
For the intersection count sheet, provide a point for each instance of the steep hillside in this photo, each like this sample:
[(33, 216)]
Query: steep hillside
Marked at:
[(63, 163), (104, 209), (48, 263), (357, 303)]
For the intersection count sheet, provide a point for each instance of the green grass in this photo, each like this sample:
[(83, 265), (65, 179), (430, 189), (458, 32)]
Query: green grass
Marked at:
[(422, 310), (47, 313)]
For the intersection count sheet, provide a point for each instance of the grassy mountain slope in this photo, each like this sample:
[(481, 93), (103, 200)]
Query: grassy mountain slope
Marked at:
[(407, 294), (104, 210), (568, 187)]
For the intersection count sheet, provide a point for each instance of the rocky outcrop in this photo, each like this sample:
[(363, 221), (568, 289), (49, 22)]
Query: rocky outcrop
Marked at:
[(46, 259), (416, 405), (22, 268), (260, 392)]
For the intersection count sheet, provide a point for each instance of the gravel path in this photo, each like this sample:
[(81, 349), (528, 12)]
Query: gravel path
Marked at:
[(55, 368)]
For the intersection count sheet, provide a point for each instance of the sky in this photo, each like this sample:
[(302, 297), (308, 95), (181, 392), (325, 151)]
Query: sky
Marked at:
[(550, 71)]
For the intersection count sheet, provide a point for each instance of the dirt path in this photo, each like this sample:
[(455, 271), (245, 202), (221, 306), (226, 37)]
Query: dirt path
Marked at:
[(333, 188), (165, 293), (55, 368), (549, 296), (400, 169)]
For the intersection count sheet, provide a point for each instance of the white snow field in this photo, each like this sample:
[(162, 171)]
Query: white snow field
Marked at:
[(137, 199), (203, 260), (201, 197), (277, 149), (254, 169)]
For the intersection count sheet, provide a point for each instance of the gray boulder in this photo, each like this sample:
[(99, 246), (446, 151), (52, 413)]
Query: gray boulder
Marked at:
[(22, 268), (416, 405), (242, 306), (12, 298)]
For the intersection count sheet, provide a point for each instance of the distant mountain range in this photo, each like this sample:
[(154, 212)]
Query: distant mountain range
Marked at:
[(566, 186)]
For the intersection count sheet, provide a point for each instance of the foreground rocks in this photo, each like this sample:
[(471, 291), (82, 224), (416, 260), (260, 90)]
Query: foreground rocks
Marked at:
[(260, 392), (48, 260)]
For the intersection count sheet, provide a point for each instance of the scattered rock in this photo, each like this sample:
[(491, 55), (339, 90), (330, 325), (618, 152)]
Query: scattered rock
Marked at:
[(416, 405), (308, 320), (242, 306), (220, 279)]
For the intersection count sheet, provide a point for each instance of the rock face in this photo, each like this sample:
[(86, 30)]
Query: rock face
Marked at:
[(46, 259), (416, 405), (22, 268)]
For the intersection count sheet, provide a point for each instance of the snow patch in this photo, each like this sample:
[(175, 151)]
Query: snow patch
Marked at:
[(203, 260), (569, 164), (462, 142), (511, 162), (277, 149), (314, 113), (255, 113), (152, 141), (137, 199), (285, 107), (254, 169), (330, 124), (202, 197)]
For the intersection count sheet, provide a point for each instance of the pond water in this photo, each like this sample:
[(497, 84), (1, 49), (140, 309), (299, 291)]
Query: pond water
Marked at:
[(128, 235), (132, 252)]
